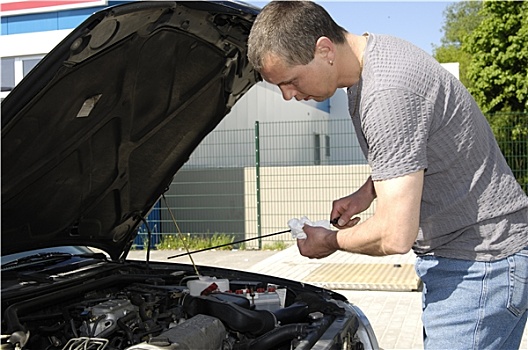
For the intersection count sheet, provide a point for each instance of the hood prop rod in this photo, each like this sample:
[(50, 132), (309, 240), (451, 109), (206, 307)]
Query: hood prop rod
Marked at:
[(226, 244), (180, 235), (149, 238)]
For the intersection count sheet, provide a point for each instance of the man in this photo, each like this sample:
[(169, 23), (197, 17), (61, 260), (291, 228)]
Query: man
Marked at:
[(442, 185)]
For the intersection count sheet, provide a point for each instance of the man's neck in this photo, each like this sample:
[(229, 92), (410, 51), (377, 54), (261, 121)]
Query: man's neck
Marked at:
[(350, 58)]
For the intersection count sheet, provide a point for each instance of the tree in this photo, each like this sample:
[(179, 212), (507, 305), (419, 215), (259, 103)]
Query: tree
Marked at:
[(498, 72), (498, 47), (461, 18)]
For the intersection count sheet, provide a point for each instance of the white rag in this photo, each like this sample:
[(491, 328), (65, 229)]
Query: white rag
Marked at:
[(296, 226)]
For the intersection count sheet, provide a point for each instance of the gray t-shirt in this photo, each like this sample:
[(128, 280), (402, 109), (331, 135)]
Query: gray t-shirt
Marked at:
[(411, 114)]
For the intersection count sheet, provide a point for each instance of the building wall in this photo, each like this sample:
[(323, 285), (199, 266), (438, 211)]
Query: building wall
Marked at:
[(38, 16), (264, 103), (30, 44), (206, 201)]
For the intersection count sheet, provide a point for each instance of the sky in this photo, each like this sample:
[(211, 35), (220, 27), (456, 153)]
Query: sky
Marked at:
[(419, 22)]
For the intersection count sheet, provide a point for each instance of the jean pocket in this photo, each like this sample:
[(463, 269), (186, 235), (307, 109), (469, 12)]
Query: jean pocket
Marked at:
[(518, 297)]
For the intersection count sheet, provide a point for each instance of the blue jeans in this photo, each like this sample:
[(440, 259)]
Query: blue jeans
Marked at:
[(474, 305)]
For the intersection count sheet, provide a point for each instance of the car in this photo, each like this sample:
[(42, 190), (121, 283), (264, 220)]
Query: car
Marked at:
[(91, 139)]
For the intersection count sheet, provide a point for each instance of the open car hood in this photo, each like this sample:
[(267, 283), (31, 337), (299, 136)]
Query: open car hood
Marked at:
[(93, 136)]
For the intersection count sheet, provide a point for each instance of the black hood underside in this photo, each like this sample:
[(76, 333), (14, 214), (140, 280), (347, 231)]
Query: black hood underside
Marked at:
[(92, 137)]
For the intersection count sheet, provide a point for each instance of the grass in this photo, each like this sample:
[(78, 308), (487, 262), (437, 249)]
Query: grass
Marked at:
[(196, 242), (275, 245), (203, 241)]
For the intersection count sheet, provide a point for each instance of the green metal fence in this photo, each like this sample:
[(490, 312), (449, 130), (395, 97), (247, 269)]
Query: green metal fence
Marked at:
[(249, 183)]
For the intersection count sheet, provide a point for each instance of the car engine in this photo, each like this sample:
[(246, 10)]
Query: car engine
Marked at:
[(131, 309)]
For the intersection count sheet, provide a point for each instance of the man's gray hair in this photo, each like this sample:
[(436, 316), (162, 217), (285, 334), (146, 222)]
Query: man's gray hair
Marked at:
[(290, 30)]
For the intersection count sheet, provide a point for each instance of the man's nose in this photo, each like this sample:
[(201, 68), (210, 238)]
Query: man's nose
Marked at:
[(288, 93)]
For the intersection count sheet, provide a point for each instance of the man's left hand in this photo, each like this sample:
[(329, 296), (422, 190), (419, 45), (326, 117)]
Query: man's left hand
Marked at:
[(319, 243)]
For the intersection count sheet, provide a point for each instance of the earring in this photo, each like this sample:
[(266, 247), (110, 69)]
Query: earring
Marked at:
[(331, 62)]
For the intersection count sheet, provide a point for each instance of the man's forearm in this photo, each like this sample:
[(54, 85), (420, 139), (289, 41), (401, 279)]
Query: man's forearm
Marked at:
[(367, 238), (394, 226)]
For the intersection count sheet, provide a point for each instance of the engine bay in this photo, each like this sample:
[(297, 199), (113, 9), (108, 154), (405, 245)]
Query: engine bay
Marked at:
[(146, 307)]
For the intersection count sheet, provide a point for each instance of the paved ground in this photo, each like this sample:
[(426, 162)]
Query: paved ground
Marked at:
[(394, 315)]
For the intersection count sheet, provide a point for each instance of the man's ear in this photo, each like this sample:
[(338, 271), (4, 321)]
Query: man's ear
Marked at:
[(325, 48)]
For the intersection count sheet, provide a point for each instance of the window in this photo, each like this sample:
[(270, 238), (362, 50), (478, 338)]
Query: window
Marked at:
[(14, 69), (8, 74), (28, 64), (317, 149)]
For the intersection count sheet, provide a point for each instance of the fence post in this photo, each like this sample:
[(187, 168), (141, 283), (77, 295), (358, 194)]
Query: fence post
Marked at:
[(257, 181)]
